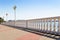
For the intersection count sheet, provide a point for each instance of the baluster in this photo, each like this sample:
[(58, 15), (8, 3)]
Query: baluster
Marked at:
[(54, 24), (50, 24), (59, 24), (47, 24), (26, 23), (44, 24), (41, 24)]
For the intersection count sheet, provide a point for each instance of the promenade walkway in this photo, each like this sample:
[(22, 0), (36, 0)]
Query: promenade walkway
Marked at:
[(8, 33)]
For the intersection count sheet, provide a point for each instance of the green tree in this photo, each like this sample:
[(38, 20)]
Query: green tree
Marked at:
[(1, 20)]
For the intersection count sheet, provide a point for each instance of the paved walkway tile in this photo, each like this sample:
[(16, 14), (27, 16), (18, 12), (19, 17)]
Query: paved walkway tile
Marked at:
[(8, 33)]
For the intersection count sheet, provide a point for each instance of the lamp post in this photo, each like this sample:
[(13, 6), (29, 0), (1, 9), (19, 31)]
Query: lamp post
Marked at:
[(14, 14)]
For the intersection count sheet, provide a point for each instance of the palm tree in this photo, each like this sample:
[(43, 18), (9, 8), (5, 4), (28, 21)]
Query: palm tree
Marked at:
[(14, 13), (6, 16)]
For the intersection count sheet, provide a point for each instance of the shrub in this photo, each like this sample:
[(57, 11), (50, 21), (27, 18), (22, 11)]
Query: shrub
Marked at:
[(1, 20)]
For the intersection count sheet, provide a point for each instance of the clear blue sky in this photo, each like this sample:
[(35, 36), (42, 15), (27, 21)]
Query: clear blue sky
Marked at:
[(28, 9)]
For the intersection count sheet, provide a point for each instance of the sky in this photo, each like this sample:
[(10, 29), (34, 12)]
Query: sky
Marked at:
[(29, 9)]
